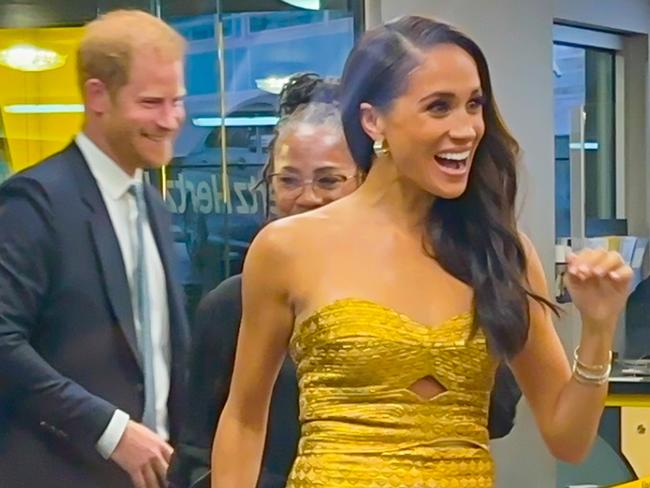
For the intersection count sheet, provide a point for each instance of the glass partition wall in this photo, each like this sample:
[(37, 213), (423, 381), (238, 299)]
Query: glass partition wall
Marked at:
[(240, 52)]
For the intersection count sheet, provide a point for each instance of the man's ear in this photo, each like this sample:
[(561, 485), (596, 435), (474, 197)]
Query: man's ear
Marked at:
[(96, 96)]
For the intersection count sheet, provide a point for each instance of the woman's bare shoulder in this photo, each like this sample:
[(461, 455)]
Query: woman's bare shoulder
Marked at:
[(318, 221)]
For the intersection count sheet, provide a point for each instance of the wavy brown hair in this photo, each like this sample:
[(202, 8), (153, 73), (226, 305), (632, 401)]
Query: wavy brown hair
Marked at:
[(474, 237)]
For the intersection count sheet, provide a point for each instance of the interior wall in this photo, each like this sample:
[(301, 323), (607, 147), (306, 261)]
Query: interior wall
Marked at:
[(631, 16)]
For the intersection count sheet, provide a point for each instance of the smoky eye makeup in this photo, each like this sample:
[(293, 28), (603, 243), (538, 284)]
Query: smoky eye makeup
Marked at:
[(478, 101), (438, 106)]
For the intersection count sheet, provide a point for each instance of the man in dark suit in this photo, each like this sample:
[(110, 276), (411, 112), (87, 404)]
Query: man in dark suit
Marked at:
[(92, 328)]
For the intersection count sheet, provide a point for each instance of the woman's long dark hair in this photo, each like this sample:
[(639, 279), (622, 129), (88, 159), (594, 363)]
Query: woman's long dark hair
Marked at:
[(473, 237)]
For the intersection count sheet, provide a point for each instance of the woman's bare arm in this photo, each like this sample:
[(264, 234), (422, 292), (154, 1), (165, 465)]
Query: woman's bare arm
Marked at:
[(567, 411), (267, 322)]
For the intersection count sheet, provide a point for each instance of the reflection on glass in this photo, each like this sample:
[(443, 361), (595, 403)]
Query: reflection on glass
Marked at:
[(600, 160), (40, 103), (27, 57), (569, 93), (585, 77), (261, 49), (41, 111)]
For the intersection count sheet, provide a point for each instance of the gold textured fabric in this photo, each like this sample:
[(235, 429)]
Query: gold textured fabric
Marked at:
[(363, 427)]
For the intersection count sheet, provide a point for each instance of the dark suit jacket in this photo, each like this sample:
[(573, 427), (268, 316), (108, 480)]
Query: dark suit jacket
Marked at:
[(68, 354), (212, 359), (211, 366)]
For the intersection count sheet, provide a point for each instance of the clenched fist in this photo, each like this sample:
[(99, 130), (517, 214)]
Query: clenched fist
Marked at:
[(599, 284)]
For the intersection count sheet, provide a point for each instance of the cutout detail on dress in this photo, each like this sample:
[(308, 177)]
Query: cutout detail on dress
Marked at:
[(427, 387)]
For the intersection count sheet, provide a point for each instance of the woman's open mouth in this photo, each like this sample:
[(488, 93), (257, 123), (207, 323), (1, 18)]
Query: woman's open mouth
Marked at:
[(453, 163)]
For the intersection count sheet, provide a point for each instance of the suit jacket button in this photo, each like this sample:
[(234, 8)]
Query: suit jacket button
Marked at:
[(140, 387)]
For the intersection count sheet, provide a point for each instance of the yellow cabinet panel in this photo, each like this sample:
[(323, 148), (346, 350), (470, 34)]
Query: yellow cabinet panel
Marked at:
[(635, 438)]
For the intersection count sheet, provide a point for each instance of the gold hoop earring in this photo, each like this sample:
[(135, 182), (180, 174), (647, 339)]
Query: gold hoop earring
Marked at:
[(380, 147)]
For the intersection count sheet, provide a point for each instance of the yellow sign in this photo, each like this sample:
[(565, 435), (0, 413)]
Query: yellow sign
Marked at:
[(642, 483)]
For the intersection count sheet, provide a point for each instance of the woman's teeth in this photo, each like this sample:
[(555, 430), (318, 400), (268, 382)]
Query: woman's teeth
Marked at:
[(454, 156), (451, 160)]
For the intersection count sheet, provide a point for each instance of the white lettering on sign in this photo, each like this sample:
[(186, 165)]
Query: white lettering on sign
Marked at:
[(205, 197)]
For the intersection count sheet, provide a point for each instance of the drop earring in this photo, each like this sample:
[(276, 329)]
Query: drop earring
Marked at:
[(380, 147)]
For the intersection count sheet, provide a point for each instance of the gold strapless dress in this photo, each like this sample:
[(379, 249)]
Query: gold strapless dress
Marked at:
[(361, 424)]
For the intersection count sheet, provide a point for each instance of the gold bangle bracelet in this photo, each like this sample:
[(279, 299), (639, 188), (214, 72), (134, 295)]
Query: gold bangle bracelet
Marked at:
[(592, 367), (587, 377), (590, 382)]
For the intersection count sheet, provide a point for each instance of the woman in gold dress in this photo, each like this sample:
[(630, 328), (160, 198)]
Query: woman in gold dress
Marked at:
[(397, 302)]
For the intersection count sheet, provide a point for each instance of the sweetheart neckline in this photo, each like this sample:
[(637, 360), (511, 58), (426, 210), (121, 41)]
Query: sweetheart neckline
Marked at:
[(341, 301)]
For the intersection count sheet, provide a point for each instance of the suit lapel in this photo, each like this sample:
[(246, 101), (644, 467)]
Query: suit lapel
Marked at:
[(110, 260), (113, 270)]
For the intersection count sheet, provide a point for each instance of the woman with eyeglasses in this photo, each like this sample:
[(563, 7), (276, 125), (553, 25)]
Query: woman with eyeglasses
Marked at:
[(398, 301), (309, 166)]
